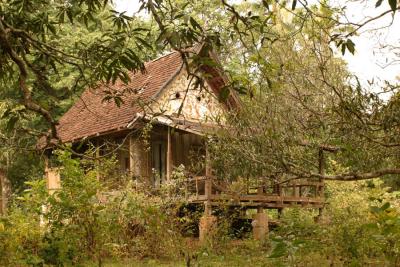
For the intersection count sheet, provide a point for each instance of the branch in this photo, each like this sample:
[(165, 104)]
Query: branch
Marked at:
[(352, 176), (27, 95)]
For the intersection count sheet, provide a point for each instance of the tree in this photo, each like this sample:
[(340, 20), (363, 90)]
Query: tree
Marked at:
[(49, 52), (40, 47), (300, 87), (273, 53)]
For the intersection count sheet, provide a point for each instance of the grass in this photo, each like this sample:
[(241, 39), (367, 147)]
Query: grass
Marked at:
[(232, 254)]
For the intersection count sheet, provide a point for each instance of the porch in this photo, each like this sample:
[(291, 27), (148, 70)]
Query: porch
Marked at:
[(307, 194)]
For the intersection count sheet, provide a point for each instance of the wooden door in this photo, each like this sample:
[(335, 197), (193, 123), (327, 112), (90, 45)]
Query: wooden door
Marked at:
[(159, 155)]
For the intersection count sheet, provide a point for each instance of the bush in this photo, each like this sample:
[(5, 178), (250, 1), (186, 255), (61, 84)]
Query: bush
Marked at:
[(358, 229), (85, 221)]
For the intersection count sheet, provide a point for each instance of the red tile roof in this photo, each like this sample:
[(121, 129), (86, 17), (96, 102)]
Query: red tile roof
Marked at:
[(91, 115)]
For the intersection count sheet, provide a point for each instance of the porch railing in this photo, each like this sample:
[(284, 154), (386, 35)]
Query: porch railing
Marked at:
[(202, 188)]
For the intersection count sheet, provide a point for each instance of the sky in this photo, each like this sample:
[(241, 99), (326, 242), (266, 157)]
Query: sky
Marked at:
[(371, 57)]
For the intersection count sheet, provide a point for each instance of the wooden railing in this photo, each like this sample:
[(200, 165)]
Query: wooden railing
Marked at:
[(200, 189)]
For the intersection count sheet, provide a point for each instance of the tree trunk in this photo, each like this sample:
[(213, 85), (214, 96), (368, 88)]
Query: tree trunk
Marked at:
[(5, 188)]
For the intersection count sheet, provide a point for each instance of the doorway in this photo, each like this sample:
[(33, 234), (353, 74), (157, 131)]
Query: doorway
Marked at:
[(159, 156)]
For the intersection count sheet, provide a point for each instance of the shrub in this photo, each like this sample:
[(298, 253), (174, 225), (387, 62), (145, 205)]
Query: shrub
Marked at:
[(84, 220)]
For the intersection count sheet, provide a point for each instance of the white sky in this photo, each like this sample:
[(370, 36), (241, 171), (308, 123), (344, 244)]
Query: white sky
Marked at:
[(370, 58)]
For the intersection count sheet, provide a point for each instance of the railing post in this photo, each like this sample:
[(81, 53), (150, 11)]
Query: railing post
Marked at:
[(321, 170), (208, 190), (197, 186), (295, 190), (207, 221)]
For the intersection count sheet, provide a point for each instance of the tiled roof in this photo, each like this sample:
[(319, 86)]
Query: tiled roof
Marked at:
[(91, 115)]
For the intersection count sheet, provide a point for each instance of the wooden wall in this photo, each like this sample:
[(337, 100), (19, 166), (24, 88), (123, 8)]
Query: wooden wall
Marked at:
[(187, 149)]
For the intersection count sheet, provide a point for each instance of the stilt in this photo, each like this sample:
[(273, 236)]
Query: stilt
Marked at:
[(260, 224), (169, 155), (207, 223), (280, 211), (320, 189), (318, 219)]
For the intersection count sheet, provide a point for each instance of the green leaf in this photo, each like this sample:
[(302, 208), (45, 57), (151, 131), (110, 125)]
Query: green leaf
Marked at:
[(265, 4), (393, 5), (279, 250), (350, 46), (11, 123), (375, 209), (385, 206), (378, 3), (343, 49), (269, 82), (371, 226), (194, 23), (143, 42)]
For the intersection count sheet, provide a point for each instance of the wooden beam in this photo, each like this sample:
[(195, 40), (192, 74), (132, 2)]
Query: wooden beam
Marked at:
[(169, 154), (97, 157), (135, 157), (208, 185), (131, 156), (2, 195), (53, 180), (321, 171)]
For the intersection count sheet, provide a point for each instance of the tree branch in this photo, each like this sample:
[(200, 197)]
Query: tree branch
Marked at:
[(27, 95)]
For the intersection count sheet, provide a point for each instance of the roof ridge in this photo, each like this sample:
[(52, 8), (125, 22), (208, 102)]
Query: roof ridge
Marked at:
[(162, 56), (170, 53)]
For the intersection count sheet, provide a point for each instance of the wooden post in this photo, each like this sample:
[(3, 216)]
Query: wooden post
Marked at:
[(135, 156), (97, 157), (260, 224), (3, 201), (5, 185), (280, 211), (53, 180), (207, 221), (131, 156), (296, 191), (207, 227), (321, 170), (208, 184), (197, 187), (169, 154)]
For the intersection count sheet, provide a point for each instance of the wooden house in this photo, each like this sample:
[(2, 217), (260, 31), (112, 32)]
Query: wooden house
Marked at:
[(180, 115)]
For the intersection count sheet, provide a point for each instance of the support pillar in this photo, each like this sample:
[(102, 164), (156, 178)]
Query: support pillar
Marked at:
[(3, 192), (207, 224), (280, 211), (169, 155), (320, 190), (53, 180), (260, 225), (97, 157), (135, 156)]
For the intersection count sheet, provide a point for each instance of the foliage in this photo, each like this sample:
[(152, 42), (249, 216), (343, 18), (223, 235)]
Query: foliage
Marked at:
[(50, 51), (298, 99), (84, 220), (348, 234)]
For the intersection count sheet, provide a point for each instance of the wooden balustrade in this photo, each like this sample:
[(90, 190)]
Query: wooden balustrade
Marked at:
[(202, 189)]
